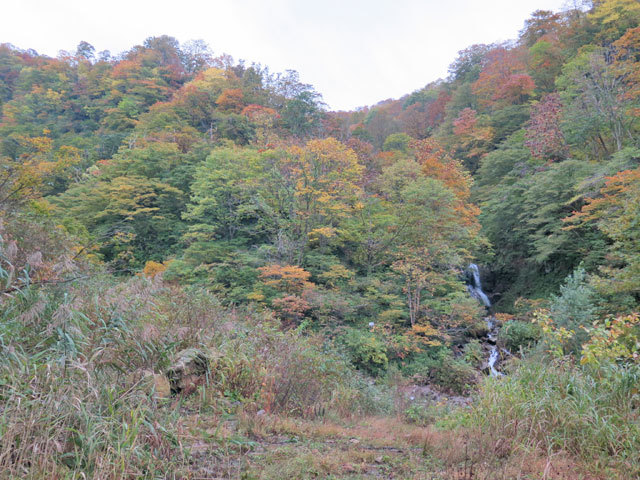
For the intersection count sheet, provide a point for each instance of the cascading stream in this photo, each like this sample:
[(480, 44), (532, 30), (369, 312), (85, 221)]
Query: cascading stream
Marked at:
[(474, 287), (494, 353)]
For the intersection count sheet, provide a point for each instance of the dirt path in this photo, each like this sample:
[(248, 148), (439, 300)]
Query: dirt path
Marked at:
[(276, 448)]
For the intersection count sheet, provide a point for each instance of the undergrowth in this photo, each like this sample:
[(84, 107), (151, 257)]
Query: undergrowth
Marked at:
[(73, 402), (560, 408)]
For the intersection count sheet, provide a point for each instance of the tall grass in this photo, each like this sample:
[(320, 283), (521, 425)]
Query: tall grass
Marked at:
[(73, 403), (560, 407)]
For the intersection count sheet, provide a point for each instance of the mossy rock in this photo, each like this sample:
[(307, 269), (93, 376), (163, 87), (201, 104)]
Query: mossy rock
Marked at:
[(188, 370)]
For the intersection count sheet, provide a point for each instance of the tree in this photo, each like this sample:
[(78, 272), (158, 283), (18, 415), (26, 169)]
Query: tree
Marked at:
[(551, 194), (543, 24), (470, 62), (431, 226), (398, 142), (86, 51), (616, 212), (231, 100), (132, 218), (430, 243), (264, 118), (504, 78), (312, 189), (626, 66), (594, 96), (196, 56), (301, 115), (615, 17), (293, 287), (226, 202), (437, 163), (544, 137), (545, 63), (472, 137), (37, 172)]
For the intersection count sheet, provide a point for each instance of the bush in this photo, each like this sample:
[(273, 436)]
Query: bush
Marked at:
[(478, 329), (441, 369), (574, 307), (424, 415), (516, 335), (455, 376), (366, 351), (473, 353)]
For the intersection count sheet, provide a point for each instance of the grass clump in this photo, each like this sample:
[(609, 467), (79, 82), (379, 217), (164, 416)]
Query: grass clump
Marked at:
[(550, 407)]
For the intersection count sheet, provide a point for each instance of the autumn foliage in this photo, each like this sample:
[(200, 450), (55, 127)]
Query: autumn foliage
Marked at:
[(504, 79)]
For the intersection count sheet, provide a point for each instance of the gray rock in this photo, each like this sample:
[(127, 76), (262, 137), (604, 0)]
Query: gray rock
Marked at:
[(188, 370)]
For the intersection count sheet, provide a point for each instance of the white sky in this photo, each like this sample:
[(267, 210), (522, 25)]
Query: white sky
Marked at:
[(354, 52)]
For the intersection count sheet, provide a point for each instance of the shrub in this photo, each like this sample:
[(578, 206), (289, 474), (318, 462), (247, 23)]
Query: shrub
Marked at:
[(574, 307), (440, 368), (455, 376), (424, 415), (473, 353), (366, 350), (516, 335), (478, 329)]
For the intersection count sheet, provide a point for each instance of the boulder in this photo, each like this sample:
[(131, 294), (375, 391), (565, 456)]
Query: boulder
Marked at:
[(188, 370)]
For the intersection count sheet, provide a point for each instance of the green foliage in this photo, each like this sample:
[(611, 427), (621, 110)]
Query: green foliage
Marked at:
[(518, 336), (397, 142), (575, 307), (508, 120), (366, 351), (425, 415), (225, 201), (612, 342), (301, 114), (440, 368), (474, 353)]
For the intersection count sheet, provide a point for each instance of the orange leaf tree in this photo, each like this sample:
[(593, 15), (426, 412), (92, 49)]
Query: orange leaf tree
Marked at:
[(616, 212)]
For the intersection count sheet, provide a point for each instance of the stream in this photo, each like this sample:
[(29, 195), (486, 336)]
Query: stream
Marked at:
[(474, 287)]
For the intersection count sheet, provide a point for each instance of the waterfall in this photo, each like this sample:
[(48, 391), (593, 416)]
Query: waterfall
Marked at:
[(474, 287), (493, 358)]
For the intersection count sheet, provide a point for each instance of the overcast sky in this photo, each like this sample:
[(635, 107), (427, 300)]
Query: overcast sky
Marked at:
[(354, 52)]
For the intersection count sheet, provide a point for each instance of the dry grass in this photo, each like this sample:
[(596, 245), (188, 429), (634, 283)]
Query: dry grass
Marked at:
[(72, 404), (384, 447)]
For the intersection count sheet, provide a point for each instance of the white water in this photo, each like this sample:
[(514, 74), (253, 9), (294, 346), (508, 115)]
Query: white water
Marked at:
[(493, 358), (494, 354), (475, 288)]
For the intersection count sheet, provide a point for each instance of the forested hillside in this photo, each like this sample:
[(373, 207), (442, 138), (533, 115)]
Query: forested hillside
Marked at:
[(198, 259)]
